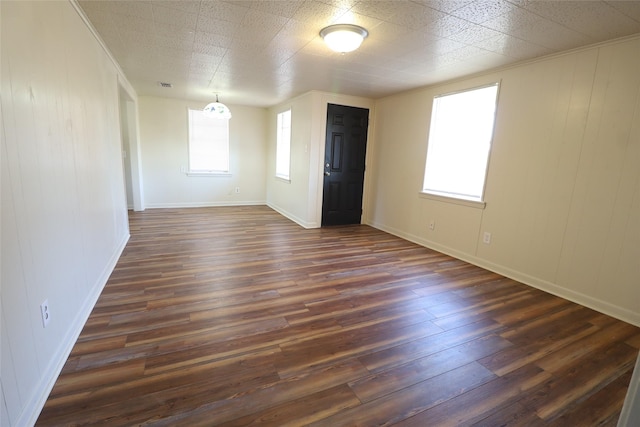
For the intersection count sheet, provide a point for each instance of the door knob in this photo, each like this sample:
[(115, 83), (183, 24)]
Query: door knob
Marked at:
[(327, 173)]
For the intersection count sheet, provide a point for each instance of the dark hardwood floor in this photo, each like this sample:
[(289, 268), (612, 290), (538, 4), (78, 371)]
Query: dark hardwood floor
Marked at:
[(236, 316)]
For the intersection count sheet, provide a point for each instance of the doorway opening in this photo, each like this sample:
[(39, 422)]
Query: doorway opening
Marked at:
[(130, 151)]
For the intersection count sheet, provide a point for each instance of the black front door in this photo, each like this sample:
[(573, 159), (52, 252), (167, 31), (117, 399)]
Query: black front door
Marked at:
[(345, 150)]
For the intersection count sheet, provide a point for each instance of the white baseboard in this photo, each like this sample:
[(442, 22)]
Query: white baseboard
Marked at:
[(294, 218), (544, 285), (204, 204), (34, 406)]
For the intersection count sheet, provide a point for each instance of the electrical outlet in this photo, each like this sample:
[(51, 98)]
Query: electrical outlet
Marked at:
[(237, 190), (432, 225), (486, 237), (44, 312)]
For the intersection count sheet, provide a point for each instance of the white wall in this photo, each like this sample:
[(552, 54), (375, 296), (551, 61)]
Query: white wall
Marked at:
[(563, 186), (164, 150), (301, 199), (64, 217), (291, 198)]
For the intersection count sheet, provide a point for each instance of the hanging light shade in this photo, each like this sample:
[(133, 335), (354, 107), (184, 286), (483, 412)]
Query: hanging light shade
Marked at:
[(343, 38), (217, 110)]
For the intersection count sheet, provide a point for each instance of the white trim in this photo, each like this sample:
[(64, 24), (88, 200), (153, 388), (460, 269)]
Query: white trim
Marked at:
[(204, 204), (288, 215), (32, 408), (483, 86), (440, 197), (283, 179), (552, 288), (128, 107), (280, 142), (210, 174)]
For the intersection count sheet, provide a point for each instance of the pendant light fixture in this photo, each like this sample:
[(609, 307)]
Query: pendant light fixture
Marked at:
[(217, 110), (343, 38)]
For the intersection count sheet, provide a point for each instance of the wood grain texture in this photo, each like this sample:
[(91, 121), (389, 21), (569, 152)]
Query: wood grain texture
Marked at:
[(236, 316)]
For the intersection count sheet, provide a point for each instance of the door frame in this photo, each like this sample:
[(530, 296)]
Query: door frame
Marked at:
[(349, 157), (130, 144), (321, 108)]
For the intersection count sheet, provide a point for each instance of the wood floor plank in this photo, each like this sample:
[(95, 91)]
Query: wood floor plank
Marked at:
[(394, 379), (303, 411), (600, 409), (100, 377), (407, 402), (488, 401), (197, 349), (399, 354), (520, 355), (576, 351), (253, 399), (513, 415), (237, 316), (350, 342), (581, 381), (225, 373)]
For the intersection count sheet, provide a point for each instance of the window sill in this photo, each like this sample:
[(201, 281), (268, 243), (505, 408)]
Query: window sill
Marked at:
[(279, 178), (212, 174), (477, 204)]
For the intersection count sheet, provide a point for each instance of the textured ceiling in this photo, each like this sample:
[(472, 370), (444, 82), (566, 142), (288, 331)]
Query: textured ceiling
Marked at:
[(263, 52)]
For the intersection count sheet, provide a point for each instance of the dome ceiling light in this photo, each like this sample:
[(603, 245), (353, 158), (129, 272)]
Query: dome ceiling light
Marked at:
[(343, 38), (217, 110)]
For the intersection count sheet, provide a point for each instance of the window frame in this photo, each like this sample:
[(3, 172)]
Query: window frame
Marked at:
[(190, 147), (285, 177), (451, 197)]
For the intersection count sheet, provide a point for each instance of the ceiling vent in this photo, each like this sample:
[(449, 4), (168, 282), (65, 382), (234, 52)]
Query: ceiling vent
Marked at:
[(164, 84)]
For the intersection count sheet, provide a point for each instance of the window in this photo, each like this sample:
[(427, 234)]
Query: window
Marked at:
[(208, 144), (283, 145), (459, 143)]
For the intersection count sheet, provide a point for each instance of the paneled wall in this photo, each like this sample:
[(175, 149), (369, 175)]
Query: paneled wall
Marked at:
[(165, 157), (64, 216), (563, 185)]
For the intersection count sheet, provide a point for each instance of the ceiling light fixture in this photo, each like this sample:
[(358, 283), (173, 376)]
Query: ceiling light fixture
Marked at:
[(343, 38), (217, 110)]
